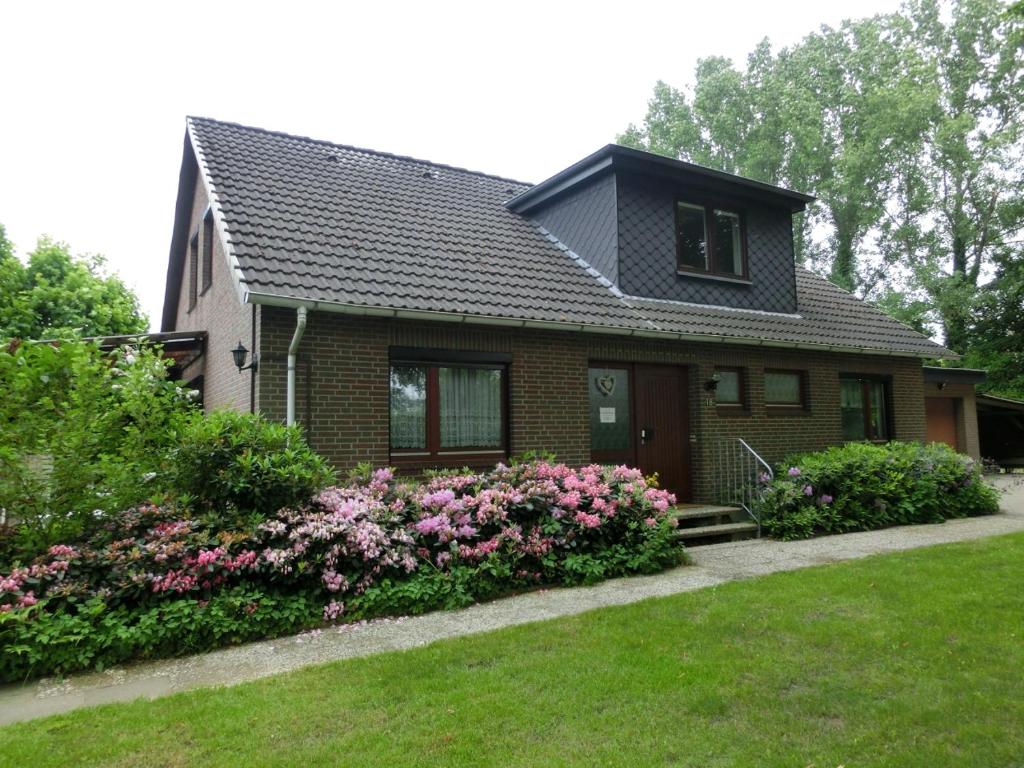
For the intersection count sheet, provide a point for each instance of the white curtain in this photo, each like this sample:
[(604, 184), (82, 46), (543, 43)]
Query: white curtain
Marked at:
[(782, 388), (470, 407)]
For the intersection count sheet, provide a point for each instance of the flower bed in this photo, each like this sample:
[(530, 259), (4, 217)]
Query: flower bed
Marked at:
[(862, 486), (155, 582)]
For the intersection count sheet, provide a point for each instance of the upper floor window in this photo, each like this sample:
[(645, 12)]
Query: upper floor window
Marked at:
[(207, 249), (193, 271), (864, 405), (710, 239)]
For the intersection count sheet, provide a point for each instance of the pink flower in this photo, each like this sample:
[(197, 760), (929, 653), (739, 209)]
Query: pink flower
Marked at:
[(334, 582), (433, 524), (588, 521), (333, 610), (570, 500), (650, 522)]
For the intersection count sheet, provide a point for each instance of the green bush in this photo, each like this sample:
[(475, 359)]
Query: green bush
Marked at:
[(81, 430), (37, 641), (243, 462), (862, 486)]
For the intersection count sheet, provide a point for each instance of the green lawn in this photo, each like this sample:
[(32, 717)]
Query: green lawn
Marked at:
[(913, 659)]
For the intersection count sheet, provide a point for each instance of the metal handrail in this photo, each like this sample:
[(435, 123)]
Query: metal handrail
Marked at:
[(742, 473)]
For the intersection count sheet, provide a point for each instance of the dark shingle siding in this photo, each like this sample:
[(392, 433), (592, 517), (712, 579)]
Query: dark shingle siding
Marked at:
[(310, 220), (585, 220), (647, 250)]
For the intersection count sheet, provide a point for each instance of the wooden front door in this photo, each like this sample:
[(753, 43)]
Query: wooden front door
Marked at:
[(638, 417), (662, 433), (940, 424)]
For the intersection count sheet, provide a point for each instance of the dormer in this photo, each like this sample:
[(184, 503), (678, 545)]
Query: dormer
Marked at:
[(658, 228)]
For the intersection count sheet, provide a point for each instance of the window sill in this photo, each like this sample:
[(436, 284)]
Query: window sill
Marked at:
[(716, 278), (732, 411), (421, 461)]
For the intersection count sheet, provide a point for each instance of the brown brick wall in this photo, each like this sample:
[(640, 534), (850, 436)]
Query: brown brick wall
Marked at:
[(342, 387), (221, 314)]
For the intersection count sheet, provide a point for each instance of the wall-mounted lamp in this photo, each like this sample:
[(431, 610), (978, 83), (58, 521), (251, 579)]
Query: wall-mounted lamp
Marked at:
[(712, 384), (240, 353), (941, 385)]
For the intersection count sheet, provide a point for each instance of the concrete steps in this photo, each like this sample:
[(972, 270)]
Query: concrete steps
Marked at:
[(712, 524)]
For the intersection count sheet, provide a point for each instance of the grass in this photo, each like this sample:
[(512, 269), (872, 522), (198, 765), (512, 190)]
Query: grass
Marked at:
[(911, 659)]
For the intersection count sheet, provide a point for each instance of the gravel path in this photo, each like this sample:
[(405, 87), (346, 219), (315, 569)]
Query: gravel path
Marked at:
[(715, 564)]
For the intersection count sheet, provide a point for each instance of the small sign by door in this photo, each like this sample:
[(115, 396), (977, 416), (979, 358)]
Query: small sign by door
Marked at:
[(608, 415)]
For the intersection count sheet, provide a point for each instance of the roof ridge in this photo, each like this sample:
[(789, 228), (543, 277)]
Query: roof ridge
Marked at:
[(351, 147)]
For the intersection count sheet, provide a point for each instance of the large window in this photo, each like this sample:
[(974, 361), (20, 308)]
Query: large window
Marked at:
[(710, 239), (864, 406), (785, 390), (442, 410)]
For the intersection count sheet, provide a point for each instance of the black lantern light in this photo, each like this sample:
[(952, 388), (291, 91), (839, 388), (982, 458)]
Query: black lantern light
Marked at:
[(712, 384), (240, 353)]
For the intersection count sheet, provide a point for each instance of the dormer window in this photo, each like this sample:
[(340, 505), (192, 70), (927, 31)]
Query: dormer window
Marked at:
[(710, 240)]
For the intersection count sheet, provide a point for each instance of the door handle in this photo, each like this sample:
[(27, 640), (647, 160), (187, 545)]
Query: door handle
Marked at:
[(646, 433)]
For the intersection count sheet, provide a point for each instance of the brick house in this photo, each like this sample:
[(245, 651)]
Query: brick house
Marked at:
[(632, 308)]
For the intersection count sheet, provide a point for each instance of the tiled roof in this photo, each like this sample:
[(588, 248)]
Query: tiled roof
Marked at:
[(356, 229)]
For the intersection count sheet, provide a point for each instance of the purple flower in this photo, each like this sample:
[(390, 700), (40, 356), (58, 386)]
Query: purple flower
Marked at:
[(808, 490), (825, 499), (794, 472)]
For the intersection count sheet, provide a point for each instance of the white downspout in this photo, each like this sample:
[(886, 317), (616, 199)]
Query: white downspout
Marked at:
[(293, 349)]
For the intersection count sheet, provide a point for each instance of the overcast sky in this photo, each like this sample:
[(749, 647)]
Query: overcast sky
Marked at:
[(94, 95)]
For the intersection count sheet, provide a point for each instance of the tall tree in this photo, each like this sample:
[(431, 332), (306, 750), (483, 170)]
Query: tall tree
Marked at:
[(996, 329), (906, 127), (56, 293), (974, 174)]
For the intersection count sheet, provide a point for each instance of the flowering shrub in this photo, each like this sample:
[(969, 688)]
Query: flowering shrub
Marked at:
[(861, 486), (375, 547)]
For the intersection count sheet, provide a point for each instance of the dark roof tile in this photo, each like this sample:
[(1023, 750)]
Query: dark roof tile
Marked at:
[(314, 221)]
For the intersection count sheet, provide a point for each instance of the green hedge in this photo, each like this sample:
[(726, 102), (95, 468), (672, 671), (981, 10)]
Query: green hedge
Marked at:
[(862, 486), (37, 641)]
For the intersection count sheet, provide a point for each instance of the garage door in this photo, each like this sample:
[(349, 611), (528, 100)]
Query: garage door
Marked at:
[(941, 415)]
